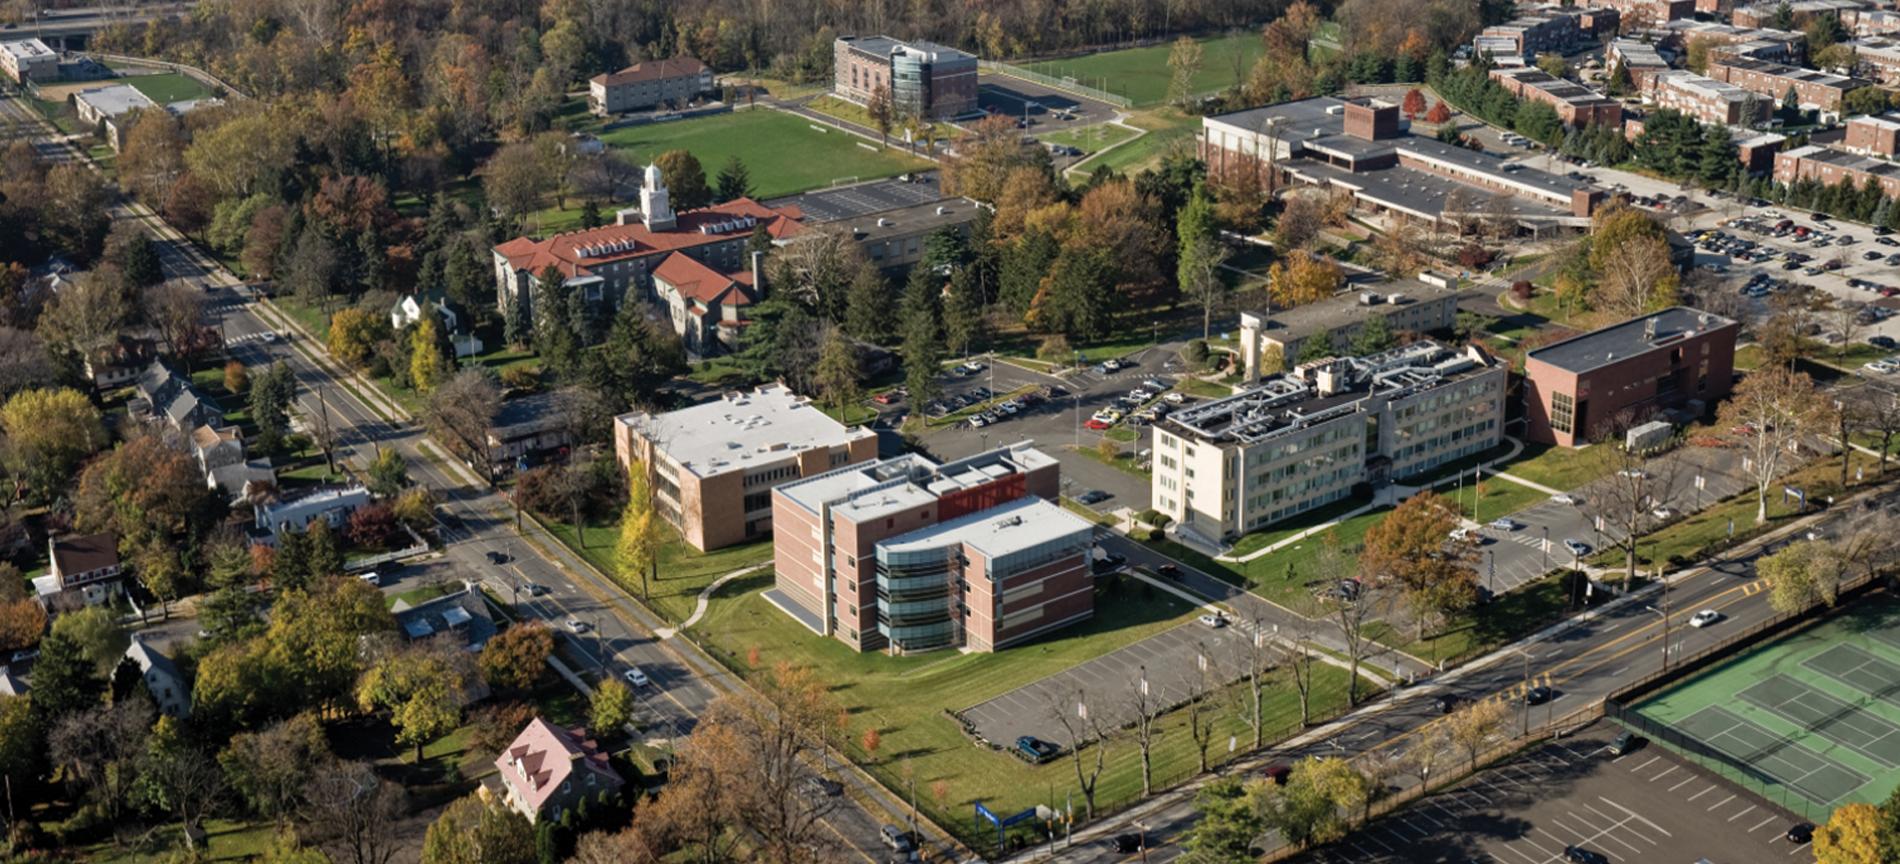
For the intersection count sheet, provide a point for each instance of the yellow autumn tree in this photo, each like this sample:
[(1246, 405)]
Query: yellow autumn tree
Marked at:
[(1851, 836), (1304, 279)]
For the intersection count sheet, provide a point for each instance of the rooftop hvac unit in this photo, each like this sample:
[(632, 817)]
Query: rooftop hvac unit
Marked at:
[(1369, 298)]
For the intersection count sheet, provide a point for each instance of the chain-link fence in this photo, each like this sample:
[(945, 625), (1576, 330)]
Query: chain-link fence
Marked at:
[(1069, 85)]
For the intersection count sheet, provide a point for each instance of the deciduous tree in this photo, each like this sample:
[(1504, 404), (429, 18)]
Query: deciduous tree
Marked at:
[(1801, 575), (475, 831), (516, 659), (48, 433), (1851, 836), (1772, 410), (611, 707), (1302, 279), (685, 180)]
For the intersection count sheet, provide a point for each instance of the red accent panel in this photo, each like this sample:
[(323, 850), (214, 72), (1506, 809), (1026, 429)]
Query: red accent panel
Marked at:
[(966, 501)]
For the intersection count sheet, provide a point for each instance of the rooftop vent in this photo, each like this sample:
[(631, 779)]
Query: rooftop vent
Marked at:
[(1649, 329), (884, 223)]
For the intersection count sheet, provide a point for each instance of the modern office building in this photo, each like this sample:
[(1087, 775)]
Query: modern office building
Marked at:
[(1424, 305), (907, 555), (28, 60), (1326, 431), (1575, 390), (714, 464), (921, 79), (650, 84)]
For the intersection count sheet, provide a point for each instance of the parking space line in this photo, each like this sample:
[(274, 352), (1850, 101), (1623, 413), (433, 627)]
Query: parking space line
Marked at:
[(1671, 770), (1702, 793), (1685, 781), (1636, 816), (1741, 814), (1758, 825), (1645, 764), (1624, 824), (1376, 840), (1720, 803)]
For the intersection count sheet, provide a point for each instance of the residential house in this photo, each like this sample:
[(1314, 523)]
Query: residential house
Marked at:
[(650, 84), (119, 362), (548, 771), (460, 615), (163, 679), (411, 307), (295, 510), (530, 424), (84, 567)]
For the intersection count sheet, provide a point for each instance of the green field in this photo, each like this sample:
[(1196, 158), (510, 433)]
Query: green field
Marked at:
[(783, 153), (1164, 134), (1090, 139), (1141, 74), (1807, 721), (906, 700), (168, 87)]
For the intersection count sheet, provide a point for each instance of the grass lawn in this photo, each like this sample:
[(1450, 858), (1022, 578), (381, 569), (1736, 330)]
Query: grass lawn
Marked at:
[(225, 840), (1560, 467), (783, 153), (719, 372), (1704, 533), (683, 571), (1494, 498), (1748, 358), (1166, 127), (1203, 389), (906, 699), (416, 596), (1262, 539), (168, 87), (1482, 628), (1090, 139), (1142, 74), (1124, 460), (59, 113)]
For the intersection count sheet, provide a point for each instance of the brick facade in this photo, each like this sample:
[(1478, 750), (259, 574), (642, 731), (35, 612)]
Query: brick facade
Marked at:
[(1814, 90), (1575, 390)]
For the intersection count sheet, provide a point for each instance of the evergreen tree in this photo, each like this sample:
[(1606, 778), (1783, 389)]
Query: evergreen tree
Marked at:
[(963, 314), (64, 681), (921, 317), (1717, 157), (734, 180), (1620, 83), (867, 313), (590, 214), (1024, 266), (324, 554), (1374, 335), (1076, 303)]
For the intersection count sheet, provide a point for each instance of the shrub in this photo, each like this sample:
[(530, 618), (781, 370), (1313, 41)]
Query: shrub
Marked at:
[(1521, 289), (1474, 256), (1055, 349), (521, 378)]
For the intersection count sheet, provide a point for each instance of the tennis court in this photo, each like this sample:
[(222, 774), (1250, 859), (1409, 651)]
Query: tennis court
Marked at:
[(1811, 720)]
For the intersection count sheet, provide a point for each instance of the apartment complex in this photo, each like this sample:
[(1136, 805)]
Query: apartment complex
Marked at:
[(1874, 136), (1324, 432), (1831, 167), (1646, 12), (1576, 104), (907, 555), (1813, 90), (1879, 58), (612, 263), (1361, 146), (651, 84), (1706, 99), (713, 465), (1428, 304), (1764, 14), (1576, 390), (921, 79), (28, 60), (1642, 60), (1536, 30)]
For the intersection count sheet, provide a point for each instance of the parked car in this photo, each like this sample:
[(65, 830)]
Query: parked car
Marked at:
[(1214, 620), (1580, 855), (1093, 496), (1537, 695), (825, 786), (899, 840), (1461, 534), (1577, 547), (1444, 703), (1801, 833), (1279, 772), (1037, 749), (1623, 743), (1664, 513), (372, 577)]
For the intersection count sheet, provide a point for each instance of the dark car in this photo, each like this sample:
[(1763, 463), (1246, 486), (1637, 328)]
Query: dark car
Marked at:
[(1537, 695), (1800, 833), (1093, 496), (1886, 342), (497, 557), (1169, 571), (1444, 703), (1037, 749), (824, 786), (1110, 562), (1126, 843), (1580, 855), (1624, 743), (1278, 772)]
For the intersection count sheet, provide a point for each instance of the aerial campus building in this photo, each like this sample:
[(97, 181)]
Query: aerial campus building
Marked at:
[(921, 79), (1575, 390), (907, 555), (1311, 437)]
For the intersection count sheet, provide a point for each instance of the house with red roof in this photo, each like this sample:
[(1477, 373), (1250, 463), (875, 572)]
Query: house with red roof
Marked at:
[(612, 264), (548, 771), (707, 307)]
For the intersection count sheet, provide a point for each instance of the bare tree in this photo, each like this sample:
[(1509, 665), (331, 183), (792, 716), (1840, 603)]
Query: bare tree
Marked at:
[(1473, 725), (1351, 605), (1845, 318), (1146, 705), (1627, 498), (323, 433), (352, 814), (460, 411), (1258, 657), (1378, 766), (1500, 217), (1081, 729), (1426, 753), (1632, 280), (1880, 415), (1198, 683), (1768, 415)]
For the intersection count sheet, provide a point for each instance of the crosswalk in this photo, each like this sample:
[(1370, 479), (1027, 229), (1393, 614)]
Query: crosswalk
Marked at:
[(259, 336)]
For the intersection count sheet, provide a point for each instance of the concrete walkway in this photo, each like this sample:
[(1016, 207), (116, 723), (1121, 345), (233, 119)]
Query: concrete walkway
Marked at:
[(705, 594)]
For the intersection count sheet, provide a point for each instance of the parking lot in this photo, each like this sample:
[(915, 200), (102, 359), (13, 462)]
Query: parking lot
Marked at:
[(863, 199), (1644, 806), (1046, 108)]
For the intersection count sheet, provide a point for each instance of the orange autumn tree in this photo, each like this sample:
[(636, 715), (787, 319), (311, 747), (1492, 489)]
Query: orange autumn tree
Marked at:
[(1304, 279), (1411, 549)]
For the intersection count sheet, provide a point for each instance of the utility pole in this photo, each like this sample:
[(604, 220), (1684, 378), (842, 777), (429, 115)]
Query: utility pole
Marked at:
[(1526, 698)]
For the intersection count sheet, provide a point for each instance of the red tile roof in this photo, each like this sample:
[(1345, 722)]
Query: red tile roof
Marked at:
[(543, 757), (578, 251), (699, 284), (653, 70)]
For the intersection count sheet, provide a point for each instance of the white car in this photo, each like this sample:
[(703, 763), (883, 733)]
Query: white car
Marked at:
[(576, 625), (1632, 473), (1880, 366), (372, 577), (1505, 523), (1565, 498), (1664, 513), (636, 677), (1175, 397), (268, 336), (1704, 618), (1214, 620), (1461, 534), (1577, 547)]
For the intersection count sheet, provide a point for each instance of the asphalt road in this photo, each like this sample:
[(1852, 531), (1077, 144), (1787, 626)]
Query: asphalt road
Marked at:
[(473, 519), (1581, 660)]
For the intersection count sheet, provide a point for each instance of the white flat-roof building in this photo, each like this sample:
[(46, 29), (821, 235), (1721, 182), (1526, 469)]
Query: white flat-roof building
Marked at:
[(29, 60)]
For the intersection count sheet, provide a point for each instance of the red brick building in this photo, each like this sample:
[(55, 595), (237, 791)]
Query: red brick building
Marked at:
[(1648, 13), (908, 555), (1576, 389), (1814, 90), (921, 78), (1875, 136), (1576, 104), (1706, 99), (1831, 167)]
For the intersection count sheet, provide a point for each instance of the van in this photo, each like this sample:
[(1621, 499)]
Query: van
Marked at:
[(896, 838), (372, 577)]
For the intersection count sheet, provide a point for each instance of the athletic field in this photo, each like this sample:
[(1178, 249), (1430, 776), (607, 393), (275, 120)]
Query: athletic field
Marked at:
[(1141, 74), (1812, 719), (783, 153)]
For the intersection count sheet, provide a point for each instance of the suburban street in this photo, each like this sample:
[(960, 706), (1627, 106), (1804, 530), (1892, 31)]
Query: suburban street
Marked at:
[(474, 520)]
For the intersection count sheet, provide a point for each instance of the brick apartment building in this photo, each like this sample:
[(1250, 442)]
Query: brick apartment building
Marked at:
[(1645, 13), (714, 464), (611, 263), (1642, 60), (908, 555), (922, 78), (1361, 146), (1879, 58), (1706, 99), (1873, 136), (1764, 14), (1576, 104), (649, 84), (1576, 389), (1831, 167), (1782, 46), (1814, 90), (1323, 433), (1537, 30)]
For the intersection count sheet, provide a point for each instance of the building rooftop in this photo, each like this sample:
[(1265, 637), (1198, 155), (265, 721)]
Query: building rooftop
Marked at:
[(544, 756), (885, 46), (1638, 53), (115, 100), (1022, 524), (576, 253), (1350, 306), (1599, 348), (741, 430), (1559, 88), (463, 612), (875, 489), (653, 70), (1795, 73), (27, 49), (1319, 392), (84, 553), (1702, 86), (863, 199), (1845, 160)]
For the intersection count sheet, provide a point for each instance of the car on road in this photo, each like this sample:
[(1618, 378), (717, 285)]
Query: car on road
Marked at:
[(268, 336), (1214, 620), (1110, 563), (535, 589), (1537, 695), (1093, 496), (1623, 743), (1704, 618), (1883, 342), (1461, 534), (1169, 571), (495, 557), (972, 367), (1126, 843), (1632, 474), (1111, 365), (1565, 498), (1444, 703), (1879, 366), (576, 625), (896, 838), (1577, 547), (1800, 833), (636, 677), (1506, 523), (825, 786), (1664, 513), (372, 577), (1580, 855), (1037, 749)]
